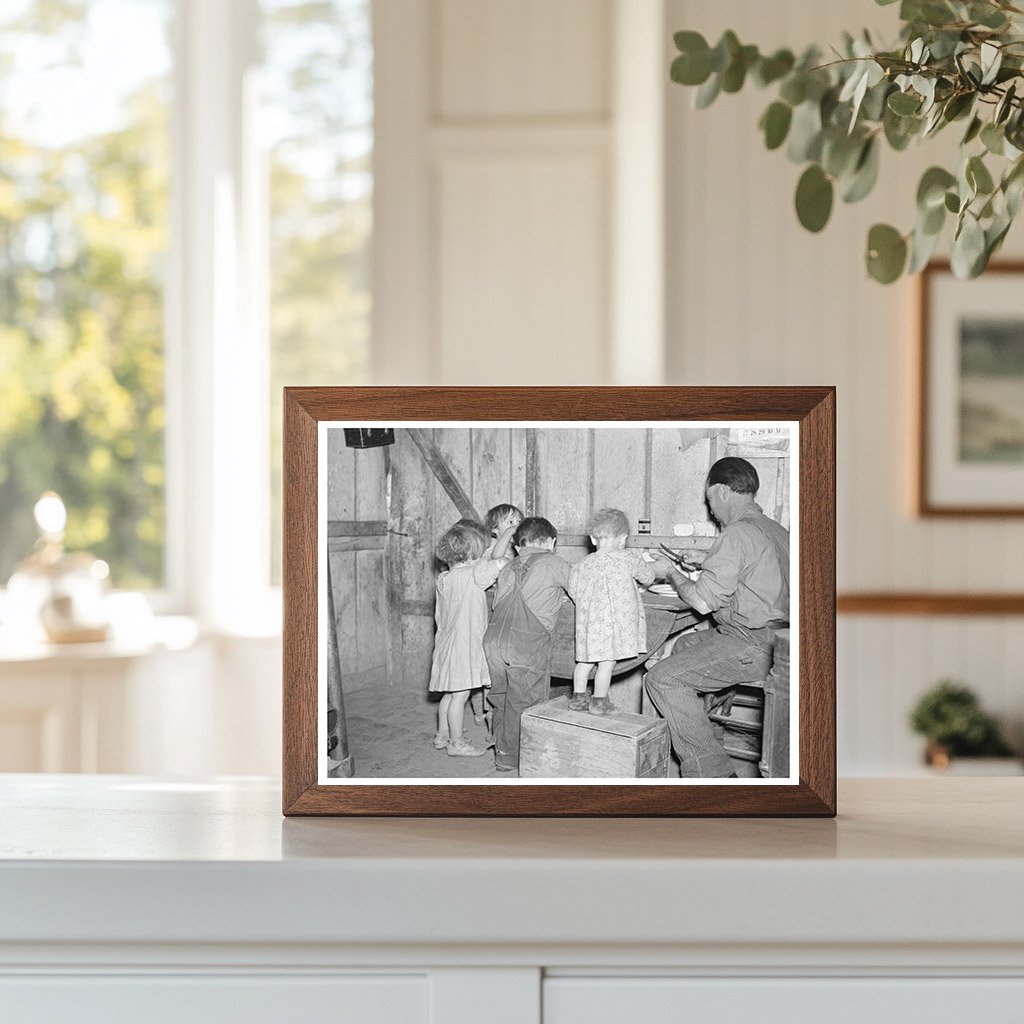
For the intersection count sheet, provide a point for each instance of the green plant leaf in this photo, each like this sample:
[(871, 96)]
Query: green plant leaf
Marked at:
[(771, 69), (887, 253), (931, 191), (993, 138), (1005, 104), (865, 173), (707, 93), (805, 133), (904, 103), (973, 129), (775, 124), (725, 49), (735, 74), (794, 89), (922, 247), (987, 15), (693, 65), (968, 248), (952, 202), (814, 195), (978, 176)]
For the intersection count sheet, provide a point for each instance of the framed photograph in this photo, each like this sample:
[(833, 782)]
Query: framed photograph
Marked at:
[(559, 601), (971, 393)]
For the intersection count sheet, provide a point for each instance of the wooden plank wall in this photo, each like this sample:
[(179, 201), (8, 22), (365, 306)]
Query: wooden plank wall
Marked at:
[(357, 517), (383, 566)]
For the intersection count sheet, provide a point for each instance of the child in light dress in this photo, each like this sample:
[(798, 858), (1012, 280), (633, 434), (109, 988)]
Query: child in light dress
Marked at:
[(610, 621), (458, 666)]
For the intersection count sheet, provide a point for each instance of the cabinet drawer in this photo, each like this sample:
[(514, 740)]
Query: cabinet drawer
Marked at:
[(202, 999), (568, 1000)]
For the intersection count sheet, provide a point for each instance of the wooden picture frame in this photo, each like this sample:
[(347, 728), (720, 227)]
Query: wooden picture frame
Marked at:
[(959, 470), (808, 412)]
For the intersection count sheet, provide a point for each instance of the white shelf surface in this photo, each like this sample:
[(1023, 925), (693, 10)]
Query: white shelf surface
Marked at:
[(115, 860)]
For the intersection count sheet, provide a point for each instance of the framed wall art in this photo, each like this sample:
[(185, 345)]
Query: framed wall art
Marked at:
[(970, 450), (559, 601)]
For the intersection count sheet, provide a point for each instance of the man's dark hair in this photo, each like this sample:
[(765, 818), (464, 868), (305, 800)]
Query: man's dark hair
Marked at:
[(737, 474), (532, 531)]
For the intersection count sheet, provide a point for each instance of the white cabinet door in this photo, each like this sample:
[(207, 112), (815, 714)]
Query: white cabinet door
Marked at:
[(202, 999), (569, 1000)]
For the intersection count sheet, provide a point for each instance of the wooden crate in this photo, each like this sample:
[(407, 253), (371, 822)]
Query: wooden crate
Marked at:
[(559, 743)]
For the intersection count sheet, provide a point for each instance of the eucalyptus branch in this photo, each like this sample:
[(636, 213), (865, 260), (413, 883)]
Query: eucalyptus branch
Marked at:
[(833, 117)]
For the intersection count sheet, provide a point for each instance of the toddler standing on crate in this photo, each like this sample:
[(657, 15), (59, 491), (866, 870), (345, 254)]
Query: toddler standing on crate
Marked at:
[(458, 665), (610, 621)]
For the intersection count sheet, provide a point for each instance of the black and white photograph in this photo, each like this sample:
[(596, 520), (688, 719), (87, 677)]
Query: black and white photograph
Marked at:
[(537, 602)]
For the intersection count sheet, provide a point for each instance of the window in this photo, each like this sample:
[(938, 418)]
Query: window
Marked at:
[(83, 236), (236, 212), (317, 117)]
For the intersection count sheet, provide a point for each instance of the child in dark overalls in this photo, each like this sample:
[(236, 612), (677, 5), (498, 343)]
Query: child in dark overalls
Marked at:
[(517, 644)]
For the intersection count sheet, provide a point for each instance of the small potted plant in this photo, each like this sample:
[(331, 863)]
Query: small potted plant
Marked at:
[(950, 717)]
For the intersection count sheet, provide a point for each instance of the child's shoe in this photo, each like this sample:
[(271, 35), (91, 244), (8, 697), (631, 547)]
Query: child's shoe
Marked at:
[(463, 748), (442, 739), (580, 702), (602, 706)]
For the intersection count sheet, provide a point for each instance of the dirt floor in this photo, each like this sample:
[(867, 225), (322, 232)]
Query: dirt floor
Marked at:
[(390, 734)]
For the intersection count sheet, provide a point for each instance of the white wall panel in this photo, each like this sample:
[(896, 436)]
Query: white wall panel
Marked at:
[(531, 58), (521, 268), (752, 298)]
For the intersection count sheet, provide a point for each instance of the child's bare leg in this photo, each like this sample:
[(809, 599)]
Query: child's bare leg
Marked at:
[(441, 739), (580, 700), (603, 678), (580, 675), (456, 713), (601, 705)]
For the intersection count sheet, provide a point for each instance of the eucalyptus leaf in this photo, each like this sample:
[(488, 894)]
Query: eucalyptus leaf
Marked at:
[(771, 69), (968, 247), (904, 103), (952, 202), (931, 190), (993, 138), (1005, 104), (814, 195), (886, 253), (973, 129), (693, 66), (865, 173), (724, 51), (707, 93), (794, 88), (991, 60), (987, 15), (805, 133), (978, 176), (775, 124), (922, 248)]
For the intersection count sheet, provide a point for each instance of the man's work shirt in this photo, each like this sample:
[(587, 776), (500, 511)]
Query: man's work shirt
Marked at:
[(544, 587), (745, 578)]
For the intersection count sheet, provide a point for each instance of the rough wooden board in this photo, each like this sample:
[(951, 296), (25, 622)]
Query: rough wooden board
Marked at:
[(622, 723), (563, 495), (619, 465), (559, 743), (371, 612), (679, 471), (518, 441), (343, 583), (356, 528), (341, 477), (453, 474), (370, 484), (491, 468)]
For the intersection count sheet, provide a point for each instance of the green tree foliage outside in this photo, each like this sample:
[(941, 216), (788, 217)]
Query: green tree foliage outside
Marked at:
[(317, 87), (82, 233)]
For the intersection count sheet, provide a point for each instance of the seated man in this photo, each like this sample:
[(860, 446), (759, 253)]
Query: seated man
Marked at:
[(744, 583)]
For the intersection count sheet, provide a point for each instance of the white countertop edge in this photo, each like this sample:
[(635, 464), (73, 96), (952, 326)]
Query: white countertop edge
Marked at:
[(537, 901)]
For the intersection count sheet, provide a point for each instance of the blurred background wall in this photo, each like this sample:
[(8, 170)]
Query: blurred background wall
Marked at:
[(413, 191)]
